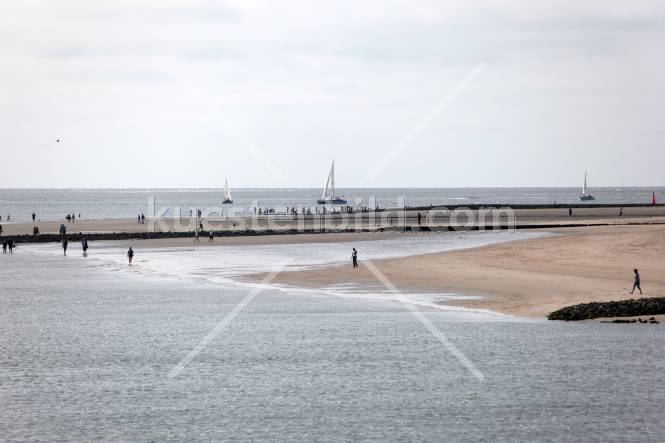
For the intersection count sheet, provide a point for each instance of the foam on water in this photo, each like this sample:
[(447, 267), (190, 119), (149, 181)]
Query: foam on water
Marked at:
[(224, 264)]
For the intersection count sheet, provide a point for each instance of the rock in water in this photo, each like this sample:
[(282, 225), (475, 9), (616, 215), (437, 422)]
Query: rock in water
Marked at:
[(623, 308)]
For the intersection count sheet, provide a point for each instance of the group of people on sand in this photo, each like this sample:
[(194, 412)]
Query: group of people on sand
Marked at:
[(292, 210), (71, 218), (140, 219), (197, 236)]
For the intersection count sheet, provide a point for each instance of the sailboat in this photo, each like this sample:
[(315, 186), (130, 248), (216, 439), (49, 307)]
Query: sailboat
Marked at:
[(330, 186), (227, 193), (585, 195)]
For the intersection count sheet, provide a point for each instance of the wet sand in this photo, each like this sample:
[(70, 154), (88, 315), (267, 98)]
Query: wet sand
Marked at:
[(525, 278)]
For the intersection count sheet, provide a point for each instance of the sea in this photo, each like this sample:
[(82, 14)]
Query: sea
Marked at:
[(177, 347), (55, 204)]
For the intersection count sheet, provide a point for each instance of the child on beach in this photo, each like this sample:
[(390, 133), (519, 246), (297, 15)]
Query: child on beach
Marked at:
[(636, 281)]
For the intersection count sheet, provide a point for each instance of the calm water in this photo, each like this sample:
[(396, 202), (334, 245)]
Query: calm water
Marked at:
[(52, 204), (86, 347)]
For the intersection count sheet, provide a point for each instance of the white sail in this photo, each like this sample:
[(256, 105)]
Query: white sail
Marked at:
[(585, 196), (332, 178), (584, 185), (328, 193), (227, 191), (325, 187)]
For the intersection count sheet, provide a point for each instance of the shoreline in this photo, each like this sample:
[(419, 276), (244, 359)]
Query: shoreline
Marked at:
[(586, 262), (528, 278), (435, 219), (164, 235)]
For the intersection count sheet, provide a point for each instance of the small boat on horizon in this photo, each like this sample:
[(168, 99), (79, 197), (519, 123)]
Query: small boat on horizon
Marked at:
[(227, 193), (330, 185), (585, 195)]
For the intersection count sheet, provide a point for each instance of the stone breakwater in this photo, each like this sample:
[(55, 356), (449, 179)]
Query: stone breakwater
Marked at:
[(622, 308), (91, 236), (46, 238)]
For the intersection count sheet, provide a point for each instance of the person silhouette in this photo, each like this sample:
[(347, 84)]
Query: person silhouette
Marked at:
[(636, 281)]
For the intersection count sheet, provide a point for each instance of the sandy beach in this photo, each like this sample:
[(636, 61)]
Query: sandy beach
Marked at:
[(525, 278), (383, 219)]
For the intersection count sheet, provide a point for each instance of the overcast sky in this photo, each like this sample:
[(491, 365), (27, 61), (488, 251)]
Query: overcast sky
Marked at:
[(146, 93)]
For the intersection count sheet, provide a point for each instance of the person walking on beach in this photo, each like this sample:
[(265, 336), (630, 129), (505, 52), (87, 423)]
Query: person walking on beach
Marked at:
[(34, 216), (196, 236), (130, 255), (211, 236), (4, 246), (570, 212), (420, 217), (636, 281), (84, 246), (64, 246), (10, 243), (354, 258)]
